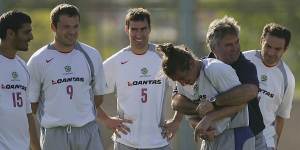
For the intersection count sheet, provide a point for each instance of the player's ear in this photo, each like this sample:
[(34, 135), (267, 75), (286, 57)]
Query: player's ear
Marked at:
[(126, 29), (53, 28), (10, 33)]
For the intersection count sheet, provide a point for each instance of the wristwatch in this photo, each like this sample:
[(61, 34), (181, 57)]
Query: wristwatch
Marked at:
[(212, 100)]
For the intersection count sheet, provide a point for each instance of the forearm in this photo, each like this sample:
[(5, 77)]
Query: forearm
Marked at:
[(98, 100), (34, 107), (101, 114), (183, 105), (238, 95), (177, 117), (224, 112), (34, 141), (279, 123), (193, 121)]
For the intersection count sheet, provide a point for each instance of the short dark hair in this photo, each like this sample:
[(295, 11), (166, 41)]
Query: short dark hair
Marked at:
[(137, 14), (12, 20), (63, 9), (277, 30), (175, 58)]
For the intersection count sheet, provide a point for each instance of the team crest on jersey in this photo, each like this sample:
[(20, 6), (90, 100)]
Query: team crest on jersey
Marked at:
[(196, 87), (144, 72), (263, 77), (14, 76), (68, 70)]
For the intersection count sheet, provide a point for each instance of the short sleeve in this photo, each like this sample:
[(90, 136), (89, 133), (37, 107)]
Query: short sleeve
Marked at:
[(100, 83), (222, 76), (110, 72), (285, 107), (35, 80)]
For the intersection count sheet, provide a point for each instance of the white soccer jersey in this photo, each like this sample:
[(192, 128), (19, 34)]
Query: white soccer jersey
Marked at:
[(14, 104), (276, 91), (61, 83), (140, 95), (218, 78)]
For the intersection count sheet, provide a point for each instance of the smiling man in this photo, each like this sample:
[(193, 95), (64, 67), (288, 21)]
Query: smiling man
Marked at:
[(17, 124), (134, 74), (276, 81), (67, 84)]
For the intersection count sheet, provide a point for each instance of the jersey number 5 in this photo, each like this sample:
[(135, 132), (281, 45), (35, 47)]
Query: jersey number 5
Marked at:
[(144, 95)]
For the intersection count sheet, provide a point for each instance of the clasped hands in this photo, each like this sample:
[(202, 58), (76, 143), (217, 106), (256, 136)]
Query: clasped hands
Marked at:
[(203, 128)]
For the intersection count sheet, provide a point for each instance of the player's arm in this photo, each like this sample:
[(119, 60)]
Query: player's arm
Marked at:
[(170, 127), (243, 93), (34, 107), (34, 141), (284, 109), (238, 95), (279, 123), (218, 114), (183, 105), (114, 123)]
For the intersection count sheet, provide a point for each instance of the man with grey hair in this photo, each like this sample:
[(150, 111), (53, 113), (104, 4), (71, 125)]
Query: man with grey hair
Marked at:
[(223, 41)]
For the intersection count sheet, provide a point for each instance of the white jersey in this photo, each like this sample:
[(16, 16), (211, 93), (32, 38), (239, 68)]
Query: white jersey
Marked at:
[(276, 91), (140, 90), (215, 77), (14, 104), (61, 83)]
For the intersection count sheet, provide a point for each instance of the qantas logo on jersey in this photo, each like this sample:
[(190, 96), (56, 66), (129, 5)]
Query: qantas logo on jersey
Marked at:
[(144, 82), (264, 92), (63, 80), (13, 86)]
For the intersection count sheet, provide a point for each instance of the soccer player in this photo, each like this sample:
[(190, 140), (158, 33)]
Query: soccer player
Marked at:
[(223, 40), (134, 74), (200, 80), (17, 124), (277, 83), (67, 86)]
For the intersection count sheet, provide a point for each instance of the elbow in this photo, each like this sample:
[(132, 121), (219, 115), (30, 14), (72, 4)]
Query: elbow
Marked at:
[(175, 104), (252, 90), (178, 102), (34, 107)]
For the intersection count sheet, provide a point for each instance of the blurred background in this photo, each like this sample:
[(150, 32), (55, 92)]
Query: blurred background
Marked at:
[(179, 22)]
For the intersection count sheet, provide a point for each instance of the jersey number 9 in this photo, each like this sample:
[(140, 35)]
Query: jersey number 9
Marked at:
[(70, 91)]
